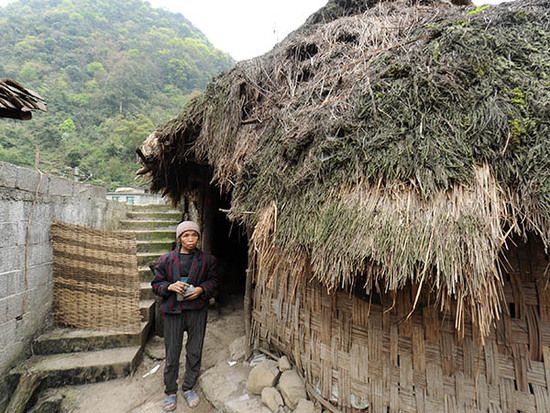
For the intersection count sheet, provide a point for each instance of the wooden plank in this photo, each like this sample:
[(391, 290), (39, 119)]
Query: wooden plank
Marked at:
[(432, 327), (491, 363), (248, 310), (520, 352), (482, 396), (419, 357), (434, 380), (394, 346), (447, 347), (459, 391), (546, 359), (420, 395), (469, 363)]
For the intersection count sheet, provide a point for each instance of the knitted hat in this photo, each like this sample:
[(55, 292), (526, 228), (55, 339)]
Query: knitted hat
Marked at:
[(187, 226)]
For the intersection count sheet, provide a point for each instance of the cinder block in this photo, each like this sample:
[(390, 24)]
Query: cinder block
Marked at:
[(41, 298), (40, 231), (68, 212), (90, 191), (87, 214), (60, 187), (40, 254), (28, 309), (9, 234), (31, 323), (101, 216), (8, 335), (31, 180), (82, 210), (11, 282), (12, 307), (40, 211), (40, 275), (11, 211), (57, 211), (12, 258), (8, 175), (38, 216)]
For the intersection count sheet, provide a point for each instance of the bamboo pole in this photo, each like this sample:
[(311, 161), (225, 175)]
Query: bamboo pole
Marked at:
[(312, 393), (248, 311)]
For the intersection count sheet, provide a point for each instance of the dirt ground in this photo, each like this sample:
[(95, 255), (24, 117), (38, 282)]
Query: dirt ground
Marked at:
[(138, 394)]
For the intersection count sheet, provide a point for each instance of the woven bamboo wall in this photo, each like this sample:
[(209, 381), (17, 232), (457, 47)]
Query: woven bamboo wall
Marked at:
[(96, 281), (352, 351)]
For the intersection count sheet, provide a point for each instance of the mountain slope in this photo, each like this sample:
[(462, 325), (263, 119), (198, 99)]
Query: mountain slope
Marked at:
[(109, 71)]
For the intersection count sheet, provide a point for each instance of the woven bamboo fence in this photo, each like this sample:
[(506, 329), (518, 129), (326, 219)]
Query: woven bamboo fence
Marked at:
[(96, 281), (355, 352)]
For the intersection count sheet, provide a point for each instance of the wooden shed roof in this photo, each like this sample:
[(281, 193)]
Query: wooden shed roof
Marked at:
[(17, 102)]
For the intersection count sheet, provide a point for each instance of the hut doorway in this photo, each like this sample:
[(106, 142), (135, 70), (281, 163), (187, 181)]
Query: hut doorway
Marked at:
[(227, 241)]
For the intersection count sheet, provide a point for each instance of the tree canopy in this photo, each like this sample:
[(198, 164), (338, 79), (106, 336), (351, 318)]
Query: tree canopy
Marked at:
[(110, 72)]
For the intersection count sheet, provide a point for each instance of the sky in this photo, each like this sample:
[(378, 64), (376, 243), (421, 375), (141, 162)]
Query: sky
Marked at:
[(245, 28), (242, 28)]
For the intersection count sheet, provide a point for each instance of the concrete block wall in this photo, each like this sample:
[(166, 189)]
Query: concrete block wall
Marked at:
[(31, 200)]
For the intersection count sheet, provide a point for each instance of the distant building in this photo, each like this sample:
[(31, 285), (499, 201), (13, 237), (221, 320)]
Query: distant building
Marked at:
[(135, 196)]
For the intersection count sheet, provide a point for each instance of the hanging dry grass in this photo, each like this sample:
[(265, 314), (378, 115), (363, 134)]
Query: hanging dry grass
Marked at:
[(414, 138)]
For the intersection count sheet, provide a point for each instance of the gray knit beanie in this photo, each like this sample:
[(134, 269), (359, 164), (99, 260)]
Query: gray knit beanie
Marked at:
[(187, 226)]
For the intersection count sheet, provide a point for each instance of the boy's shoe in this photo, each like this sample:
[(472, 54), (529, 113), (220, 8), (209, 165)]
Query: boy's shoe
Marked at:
[(191, 397), (169, 404)]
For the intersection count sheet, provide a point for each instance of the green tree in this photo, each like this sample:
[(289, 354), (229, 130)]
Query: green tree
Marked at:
[(110, 71)]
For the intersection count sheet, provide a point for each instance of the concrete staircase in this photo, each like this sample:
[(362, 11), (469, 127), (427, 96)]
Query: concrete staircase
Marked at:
[(155, 230), (71, 356)]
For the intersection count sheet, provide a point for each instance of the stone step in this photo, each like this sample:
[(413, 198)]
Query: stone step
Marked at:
[(157, 224), (145, 291), (82, 367), (152, 234), (145, 258), (147, 309), (49, 404), (153, 207), (145, 273), (68, 340), (164, 215), (159, 247)]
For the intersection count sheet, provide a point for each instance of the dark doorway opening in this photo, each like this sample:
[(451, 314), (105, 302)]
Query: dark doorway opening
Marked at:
[(226, 240), (230, 246)]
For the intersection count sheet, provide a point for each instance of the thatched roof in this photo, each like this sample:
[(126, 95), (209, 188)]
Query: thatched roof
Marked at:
[(17, 102), (408, 142)]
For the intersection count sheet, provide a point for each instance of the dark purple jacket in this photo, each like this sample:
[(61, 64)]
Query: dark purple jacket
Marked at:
[(201, 273)]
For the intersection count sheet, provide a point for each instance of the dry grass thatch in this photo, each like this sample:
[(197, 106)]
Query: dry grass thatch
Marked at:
[(415, 139)]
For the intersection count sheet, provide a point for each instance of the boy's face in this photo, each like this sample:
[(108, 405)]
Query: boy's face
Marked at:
[(189, 240)]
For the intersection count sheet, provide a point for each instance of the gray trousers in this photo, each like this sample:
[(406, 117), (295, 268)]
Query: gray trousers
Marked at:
[(194, 322)]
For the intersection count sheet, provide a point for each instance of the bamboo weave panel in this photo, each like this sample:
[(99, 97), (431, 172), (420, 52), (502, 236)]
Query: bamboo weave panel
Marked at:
[(96, 281), (352, 351)]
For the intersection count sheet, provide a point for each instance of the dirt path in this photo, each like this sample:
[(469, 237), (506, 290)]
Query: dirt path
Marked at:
[(137, 394)]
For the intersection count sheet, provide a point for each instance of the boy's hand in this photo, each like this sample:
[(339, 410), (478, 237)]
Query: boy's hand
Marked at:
[(178, 287), (195, 294)]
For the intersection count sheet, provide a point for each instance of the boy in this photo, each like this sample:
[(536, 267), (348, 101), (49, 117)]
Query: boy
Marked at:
[(185, 278)]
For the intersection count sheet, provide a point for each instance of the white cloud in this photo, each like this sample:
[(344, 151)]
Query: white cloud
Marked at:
[(244, 28)]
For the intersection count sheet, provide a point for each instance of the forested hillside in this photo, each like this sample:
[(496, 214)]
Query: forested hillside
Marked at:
[(110, 71)]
